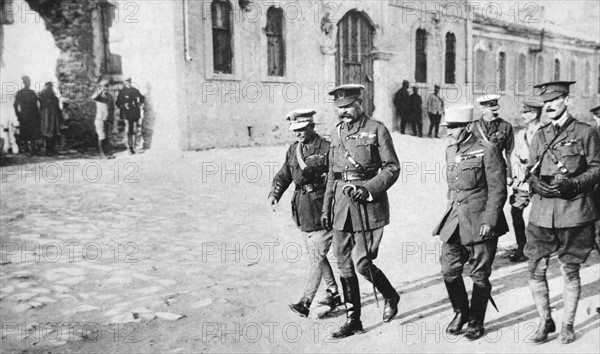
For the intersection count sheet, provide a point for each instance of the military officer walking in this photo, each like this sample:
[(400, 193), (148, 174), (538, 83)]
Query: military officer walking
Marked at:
[(306, 165), (564, 162), (473, 220), (363, 166), (494, 129), (519, 200), (596, 114)]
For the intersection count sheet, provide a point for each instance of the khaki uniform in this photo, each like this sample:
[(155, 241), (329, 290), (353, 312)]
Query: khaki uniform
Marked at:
[(476, 194), (498, 132), (578, 149)]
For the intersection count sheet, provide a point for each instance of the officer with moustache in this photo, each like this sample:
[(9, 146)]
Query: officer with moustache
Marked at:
[(496, 130), (473, 220), (361, 157), (564, 165), (306, 165)]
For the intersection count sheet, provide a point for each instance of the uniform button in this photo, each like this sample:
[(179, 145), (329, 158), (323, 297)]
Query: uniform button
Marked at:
[(458, 203), (458, 191), (346, 167)]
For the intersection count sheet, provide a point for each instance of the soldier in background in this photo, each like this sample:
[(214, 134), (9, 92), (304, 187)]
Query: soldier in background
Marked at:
[(402, 108), (435, 108), (564, 163), (105, 112), (416, 111), (129, 101), (28, 113), (361, 157), (496, 130), (306, 165), (519, 200), (473, 220), (596, 114), (51, 118)]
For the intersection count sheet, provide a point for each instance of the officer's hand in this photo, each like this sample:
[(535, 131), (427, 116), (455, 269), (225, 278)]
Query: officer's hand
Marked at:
[(326, 220), (273, 203), (566, 188), (485, 231), (310, 175), (542, 188), (509, 181), (361, 194)]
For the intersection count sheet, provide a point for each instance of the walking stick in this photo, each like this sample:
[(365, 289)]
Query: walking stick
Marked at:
[(362, 230)]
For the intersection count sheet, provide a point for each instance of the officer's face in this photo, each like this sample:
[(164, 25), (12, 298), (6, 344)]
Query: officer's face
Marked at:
[(104, 89), (487, 114), (528, 117), (127, 84), (305, 135), (349, 113), (554, 109), (454, 133)]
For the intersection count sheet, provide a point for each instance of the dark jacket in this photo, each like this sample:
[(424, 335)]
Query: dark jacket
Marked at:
[(578, 149), (401, 103), (129, 101), (307, 202), (476, 191), (416, 107), (498, 131), (370, 144)]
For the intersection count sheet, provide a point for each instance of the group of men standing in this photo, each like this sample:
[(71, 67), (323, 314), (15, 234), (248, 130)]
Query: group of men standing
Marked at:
[(39, 118), (129, 101), (340, 199), (409, 110)]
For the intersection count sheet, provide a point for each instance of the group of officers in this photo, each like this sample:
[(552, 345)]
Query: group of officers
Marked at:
[(340, 198)]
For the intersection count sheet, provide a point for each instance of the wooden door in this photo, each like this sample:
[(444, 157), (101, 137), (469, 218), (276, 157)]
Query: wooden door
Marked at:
[(354, 63)]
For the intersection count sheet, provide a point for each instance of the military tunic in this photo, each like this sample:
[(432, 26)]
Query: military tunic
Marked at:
[(129, 101), (28, 114), (476, 194), (307, 201), (498, 132), (561, 224), (370, 144)]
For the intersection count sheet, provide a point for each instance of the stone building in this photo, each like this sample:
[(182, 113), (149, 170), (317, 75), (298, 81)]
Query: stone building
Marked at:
[(225, 72)]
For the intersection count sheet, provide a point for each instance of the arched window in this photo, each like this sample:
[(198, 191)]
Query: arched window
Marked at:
[(521, 73), (480, 69), (275, 42), (421, 56), (222, 31), (450, 58), (539, 69), (556, 69), (501, 71), (587, 82), (573, 71)]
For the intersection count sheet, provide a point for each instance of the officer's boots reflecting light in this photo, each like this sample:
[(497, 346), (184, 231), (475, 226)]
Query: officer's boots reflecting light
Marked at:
[(353, 324), (460, 303), (479, 300), (390, 294), (541, 297)]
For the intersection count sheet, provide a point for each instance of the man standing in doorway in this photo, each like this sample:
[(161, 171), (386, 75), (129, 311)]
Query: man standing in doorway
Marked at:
[(416, 112), (28, 113), (129, 101)]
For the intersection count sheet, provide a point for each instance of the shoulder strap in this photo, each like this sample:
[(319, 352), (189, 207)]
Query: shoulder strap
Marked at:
[(483, 135), (299, 156), (547, 147)]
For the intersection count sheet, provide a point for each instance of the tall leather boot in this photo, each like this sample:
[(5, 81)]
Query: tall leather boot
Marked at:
[(460, 303), (479, 301), (571, 292), (353, 324), (391, 296), (541, 297)]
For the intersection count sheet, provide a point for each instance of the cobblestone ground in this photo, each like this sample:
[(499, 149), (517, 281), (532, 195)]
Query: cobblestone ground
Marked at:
[(180, 253)]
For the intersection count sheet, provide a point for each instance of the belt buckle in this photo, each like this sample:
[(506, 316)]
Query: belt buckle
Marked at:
[(308, 188)]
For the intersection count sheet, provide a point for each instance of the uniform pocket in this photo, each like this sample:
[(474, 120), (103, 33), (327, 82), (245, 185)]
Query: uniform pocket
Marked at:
[(573, 158), (366, 151), (471, 171)]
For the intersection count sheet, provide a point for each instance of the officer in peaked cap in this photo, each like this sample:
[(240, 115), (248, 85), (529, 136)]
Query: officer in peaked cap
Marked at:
[(306, 165), (494, 129), (363, 166), (473, 221), (129, 102), (564, 165), (531, 114)]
